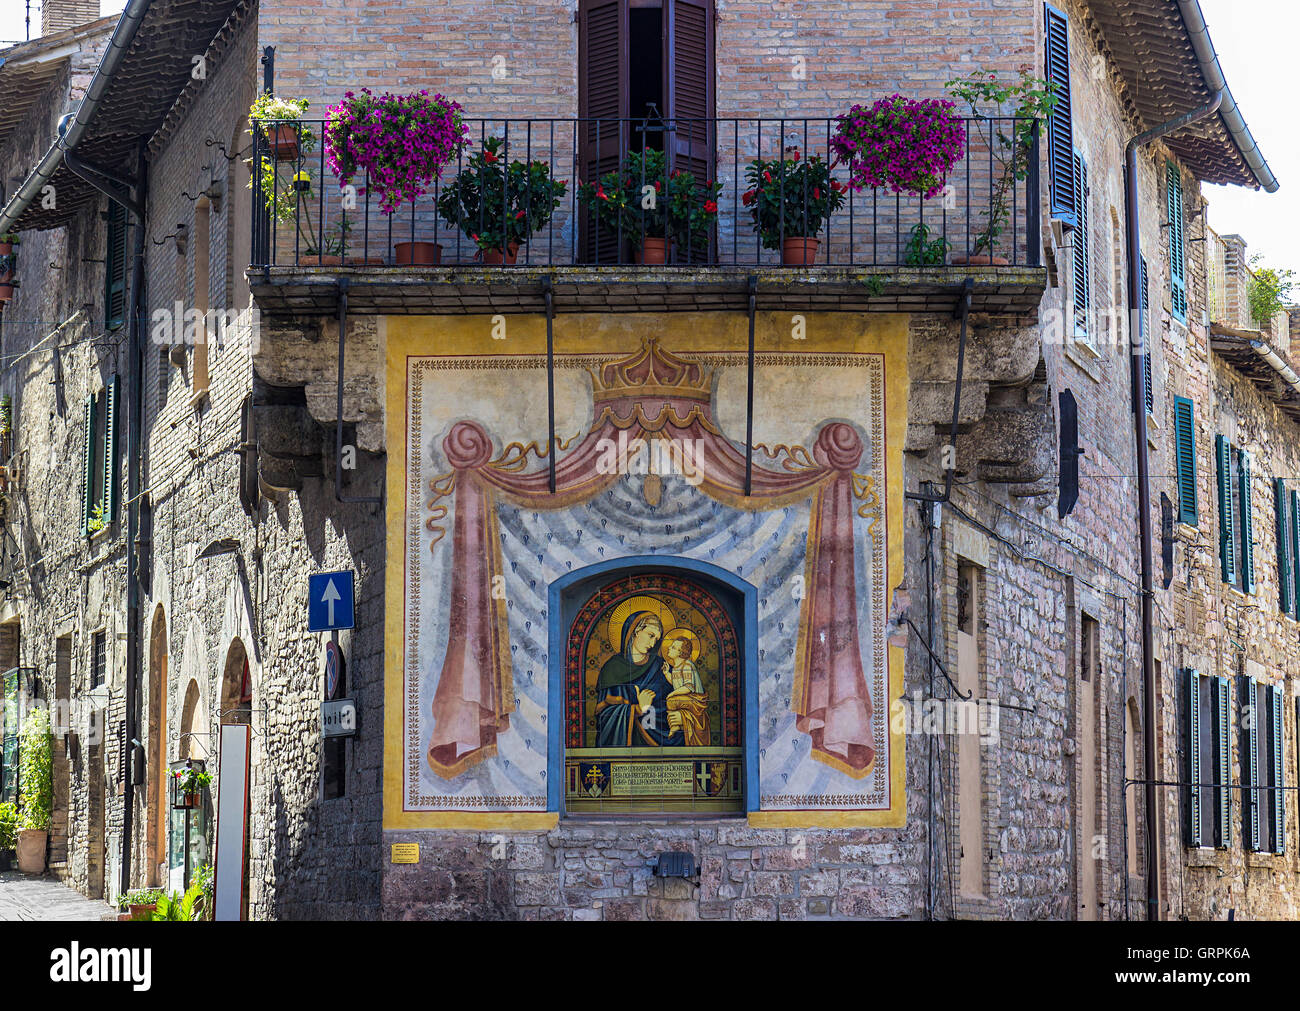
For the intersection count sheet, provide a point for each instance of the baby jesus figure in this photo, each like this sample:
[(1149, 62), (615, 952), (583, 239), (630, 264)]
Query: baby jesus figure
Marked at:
[(688, 705)]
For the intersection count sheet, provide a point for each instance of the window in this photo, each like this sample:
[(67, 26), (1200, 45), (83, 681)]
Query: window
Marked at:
[(1263, 807), (98, 658), (1185, 456), (100, 469), (1287, 508), (642, 60), (1082, 258), (970, 782), (1236, 535), (1060, 128), (1177, 258), (115, 267), (1207, 767), (1148, 382)]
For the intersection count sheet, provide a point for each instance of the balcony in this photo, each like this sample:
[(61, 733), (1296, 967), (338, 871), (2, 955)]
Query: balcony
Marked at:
[(877, 251)]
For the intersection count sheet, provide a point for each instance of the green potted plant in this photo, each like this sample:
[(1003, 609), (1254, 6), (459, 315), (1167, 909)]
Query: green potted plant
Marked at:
[(789, 201), (139, 903), (8, 834), (498, 206), (190, 784), (8, 266), (36, 797), (7, 242), (1031, 100), (651, 207), (280, 120), (924, 250)]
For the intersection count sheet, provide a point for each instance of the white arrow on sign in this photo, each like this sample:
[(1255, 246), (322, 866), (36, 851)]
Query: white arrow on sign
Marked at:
[(329, 597)]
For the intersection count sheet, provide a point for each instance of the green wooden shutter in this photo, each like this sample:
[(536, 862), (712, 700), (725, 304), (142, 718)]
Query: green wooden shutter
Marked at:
[(1285, 582), (88, 465), (115, 267), (1223, 761), (111, 472), (1185, 452), (1082, 269), (1177, 259), (1278, 778), (1192, 684), (1247, 528), (1148, 383), (1294, 541), (1250, 717), (1060, 127), (1227, 542)]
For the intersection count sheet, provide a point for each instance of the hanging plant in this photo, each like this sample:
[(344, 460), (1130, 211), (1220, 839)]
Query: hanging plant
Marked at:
[(280, 120), (901, 144), (402, 141)]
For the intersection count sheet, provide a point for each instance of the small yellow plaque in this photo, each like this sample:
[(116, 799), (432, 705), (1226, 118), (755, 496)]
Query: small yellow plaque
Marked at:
[(406, 853)]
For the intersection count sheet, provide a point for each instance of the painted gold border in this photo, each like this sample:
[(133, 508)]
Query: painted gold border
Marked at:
[(596, 333)]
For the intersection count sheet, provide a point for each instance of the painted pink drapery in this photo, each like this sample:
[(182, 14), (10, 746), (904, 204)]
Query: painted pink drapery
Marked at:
[(474, 695)]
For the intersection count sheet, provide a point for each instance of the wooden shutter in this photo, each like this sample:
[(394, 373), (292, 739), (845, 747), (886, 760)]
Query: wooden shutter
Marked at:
[(1250, 717), (602, 109), (688, 88), (1278, 778), (1285, 583), (1060, 128), (1227, 542), (1247, 528), (1223, 761), (115, 267), (1082, 267), (1185, 452), (1192, 751), (1147, 371), (1294, 540), (88, 464), (1177, 261), (110, 465)]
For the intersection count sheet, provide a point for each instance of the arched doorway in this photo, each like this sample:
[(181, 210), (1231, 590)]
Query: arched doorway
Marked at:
[(237, 709), (158, 800)]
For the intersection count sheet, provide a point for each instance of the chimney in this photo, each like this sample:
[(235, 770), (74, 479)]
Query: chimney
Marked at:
[(60, 15)]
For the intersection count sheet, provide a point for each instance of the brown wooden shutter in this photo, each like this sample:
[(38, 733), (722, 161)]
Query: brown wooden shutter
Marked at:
[(602, 108), (688, 87)]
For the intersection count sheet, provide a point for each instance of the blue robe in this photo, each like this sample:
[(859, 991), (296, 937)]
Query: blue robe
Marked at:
[(618, 717)]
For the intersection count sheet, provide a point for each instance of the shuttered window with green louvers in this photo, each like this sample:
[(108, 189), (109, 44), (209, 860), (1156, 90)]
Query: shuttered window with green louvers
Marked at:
[(1177, 242), (1277, 777), (1192, 755), (1060, 128), (101, 458), (1227, 510), (1223, 761), (1148, 383), (1185, 454), (1285, 548), (1082, 262), (1250, 720), (1206, 760), (89, 468), (1246, 521), (115, 267)]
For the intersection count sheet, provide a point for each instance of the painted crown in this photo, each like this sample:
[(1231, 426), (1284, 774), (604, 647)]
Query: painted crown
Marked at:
[(652, 371)]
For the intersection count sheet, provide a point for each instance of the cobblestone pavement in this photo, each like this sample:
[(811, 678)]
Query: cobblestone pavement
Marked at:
[(45, 898)]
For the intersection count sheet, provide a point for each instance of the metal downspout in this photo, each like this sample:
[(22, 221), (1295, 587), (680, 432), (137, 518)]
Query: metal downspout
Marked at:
[(1137, 356)]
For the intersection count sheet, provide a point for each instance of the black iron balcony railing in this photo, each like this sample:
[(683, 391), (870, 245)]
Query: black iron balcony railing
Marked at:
[(304, 216)]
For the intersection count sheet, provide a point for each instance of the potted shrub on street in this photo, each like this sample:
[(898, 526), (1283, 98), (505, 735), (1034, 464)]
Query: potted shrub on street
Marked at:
[(8, 834), (789, 201), (651, 207), (500, 206), (403, 142), (1031, 100), (36, 797), (140, 903), (280, 120)]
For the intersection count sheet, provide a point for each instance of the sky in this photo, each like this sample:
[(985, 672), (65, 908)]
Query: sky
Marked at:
[(1255, 40)]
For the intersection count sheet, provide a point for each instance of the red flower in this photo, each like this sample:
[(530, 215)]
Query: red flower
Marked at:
[(767, 176), (795, 155), (710, 207), (519, 215), (489, 157), (473, 238), (817, 193), (747, 197), (600, 192)]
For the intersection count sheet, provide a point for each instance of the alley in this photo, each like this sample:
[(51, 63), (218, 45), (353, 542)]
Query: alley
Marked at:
[(44, 898)]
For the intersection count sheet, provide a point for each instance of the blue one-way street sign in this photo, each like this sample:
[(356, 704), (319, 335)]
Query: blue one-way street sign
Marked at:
[(329, 601)]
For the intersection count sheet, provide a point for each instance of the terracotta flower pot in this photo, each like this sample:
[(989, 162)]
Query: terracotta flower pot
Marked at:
[(417, 253), (980, 260), (325, 260), (31, 850), (655, 251), (282, 142), (6, 248), (142, 912), (6, 292), (799, 252), (191, 799), (493, 257)]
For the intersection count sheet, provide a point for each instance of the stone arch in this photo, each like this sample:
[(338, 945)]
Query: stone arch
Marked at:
[(191, 715), (158, 805), (236, 686)]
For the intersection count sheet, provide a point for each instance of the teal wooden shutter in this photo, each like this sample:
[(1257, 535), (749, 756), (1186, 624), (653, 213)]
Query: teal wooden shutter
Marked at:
[(1285, 582), (1278, 777), (115, 267), (1060, 127), (1185, 452), (88, 465), (1247, 528), (111, 472), (1192, 723), (1082, 271), (1148, 384), (1223, 761), (1227, 542), (1177, 259), (1250, 717), (1294, 541)]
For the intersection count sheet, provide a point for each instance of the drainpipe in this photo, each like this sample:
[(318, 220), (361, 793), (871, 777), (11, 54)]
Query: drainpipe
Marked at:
[(1137, 356), (134, 459)]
